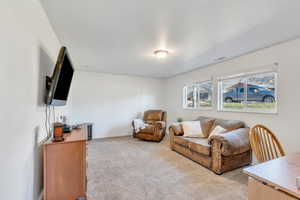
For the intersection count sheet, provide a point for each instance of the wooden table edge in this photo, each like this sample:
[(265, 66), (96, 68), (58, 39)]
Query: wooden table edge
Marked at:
[(268, 182)]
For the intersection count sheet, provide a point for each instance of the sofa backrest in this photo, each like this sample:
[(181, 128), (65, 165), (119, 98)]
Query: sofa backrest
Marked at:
[(208, 123), (229, 124)]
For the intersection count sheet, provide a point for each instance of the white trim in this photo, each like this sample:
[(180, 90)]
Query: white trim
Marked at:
[(184, 94), (249, 111), (261, 70), (200, 108)]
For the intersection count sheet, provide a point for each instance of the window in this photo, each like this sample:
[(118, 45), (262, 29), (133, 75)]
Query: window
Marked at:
[(260, 95), (189, 97), (198, 95)]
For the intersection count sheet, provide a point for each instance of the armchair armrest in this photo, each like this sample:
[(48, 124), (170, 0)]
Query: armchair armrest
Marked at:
[(176, 129), (233, 142), (160, 124)]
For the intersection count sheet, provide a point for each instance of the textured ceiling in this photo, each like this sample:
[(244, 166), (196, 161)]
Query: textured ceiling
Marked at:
[(119, 37)]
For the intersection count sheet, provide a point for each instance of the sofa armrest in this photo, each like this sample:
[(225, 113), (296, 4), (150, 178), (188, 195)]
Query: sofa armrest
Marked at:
[(233, 142), (176, 129)]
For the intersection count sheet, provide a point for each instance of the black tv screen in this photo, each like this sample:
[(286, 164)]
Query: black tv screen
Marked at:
[(61, 79)]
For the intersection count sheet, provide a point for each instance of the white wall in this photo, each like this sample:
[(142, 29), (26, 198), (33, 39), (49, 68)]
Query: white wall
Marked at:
[(27, 52), (111, 102), (284, 124)]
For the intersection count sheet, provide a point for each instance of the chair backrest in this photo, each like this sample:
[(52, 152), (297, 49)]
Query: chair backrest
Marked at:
[(155, 115), (265, 144)]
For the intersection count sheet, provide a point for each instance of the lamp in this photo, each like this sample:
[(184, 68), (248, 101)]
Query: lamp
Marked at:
[(161, 53)]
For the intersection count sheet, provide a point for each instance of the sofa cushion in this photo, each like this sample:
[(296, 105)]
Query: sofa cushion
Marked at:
[(199, 145), (206, 125), (181, 141), (230, 124), (217, 130)]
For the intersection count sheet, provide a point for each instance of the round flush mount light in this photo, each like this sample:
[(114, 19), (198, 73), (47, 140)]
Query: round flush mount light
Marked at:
[(161, 53)]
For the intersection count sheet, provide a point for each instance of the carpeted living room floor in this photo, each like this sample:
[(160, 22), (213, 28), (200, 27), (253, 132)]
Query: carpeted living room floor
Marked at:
[(126, 168)]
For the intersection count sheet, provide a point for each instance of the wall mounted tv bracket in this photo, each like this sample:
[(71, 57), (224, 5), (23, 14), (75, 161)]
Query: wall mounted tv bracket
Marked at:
[(48, 86), (48, 82)]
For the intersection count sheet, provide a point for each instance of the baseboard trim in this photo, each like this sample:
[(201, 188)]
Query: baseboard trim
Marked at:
[(110, 137)]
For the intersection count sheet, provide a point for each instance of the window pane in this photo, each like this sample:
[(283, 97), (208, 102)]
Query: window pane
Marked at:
[(204, 94), (253, 93), (261, 92), (189, 97), (232, 94)]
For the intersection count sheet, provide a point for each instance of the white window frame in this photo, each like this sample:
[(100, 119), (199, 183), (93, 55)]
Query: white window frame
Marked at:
[(245, 75), (184, 94)]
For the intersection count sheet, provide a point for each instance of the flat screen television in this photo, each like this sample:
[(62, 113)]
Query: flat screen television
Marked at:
[(58, 86)]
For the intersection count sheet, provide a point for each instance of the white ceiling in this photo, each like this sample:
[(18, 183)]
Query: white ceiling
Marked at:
[(119, 36)]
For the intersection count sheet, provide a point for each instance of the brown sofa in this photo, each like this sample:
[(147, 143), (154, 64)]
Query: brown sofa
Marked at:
[(156, 129), (221, 152)]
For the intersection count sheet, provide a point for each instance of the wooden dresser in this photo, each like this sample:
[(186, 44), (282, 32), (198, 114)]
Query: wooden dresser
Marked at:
[(65, 167), (274, 179)]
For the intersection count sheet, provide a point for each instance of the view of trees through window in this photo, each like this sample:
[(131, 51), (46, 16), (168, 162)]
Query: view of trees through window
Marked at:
[(255, 93), (198, 95)]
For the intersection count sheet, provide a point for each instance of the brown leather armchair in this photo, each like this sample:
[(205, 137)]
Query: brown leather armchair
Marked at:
[(156, 126)]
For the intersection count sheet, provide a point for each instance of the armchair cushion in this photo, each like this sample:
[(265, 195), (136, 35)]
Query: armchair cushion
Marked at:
[(233, 142), (150, 122), (150, 129)]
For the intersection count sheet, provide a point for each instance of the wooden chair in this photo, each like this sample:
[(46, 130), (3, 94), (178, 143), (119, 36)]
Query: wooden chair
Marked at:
[(265, 144)]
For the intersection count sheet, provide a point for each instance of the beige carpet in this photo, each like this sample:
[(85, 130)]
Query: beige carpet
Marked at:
[(125, 168)]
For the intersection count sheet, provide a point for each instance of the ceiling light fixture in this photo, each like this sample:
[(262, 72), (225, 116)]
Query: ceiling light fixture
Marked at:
[(161, 53)]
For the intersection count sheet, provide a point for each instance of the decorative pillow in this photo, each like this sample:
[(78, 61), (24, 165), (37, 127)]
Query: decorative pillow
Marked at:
[(206, 125), (230, 124), (217, 130), (192, 129)]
